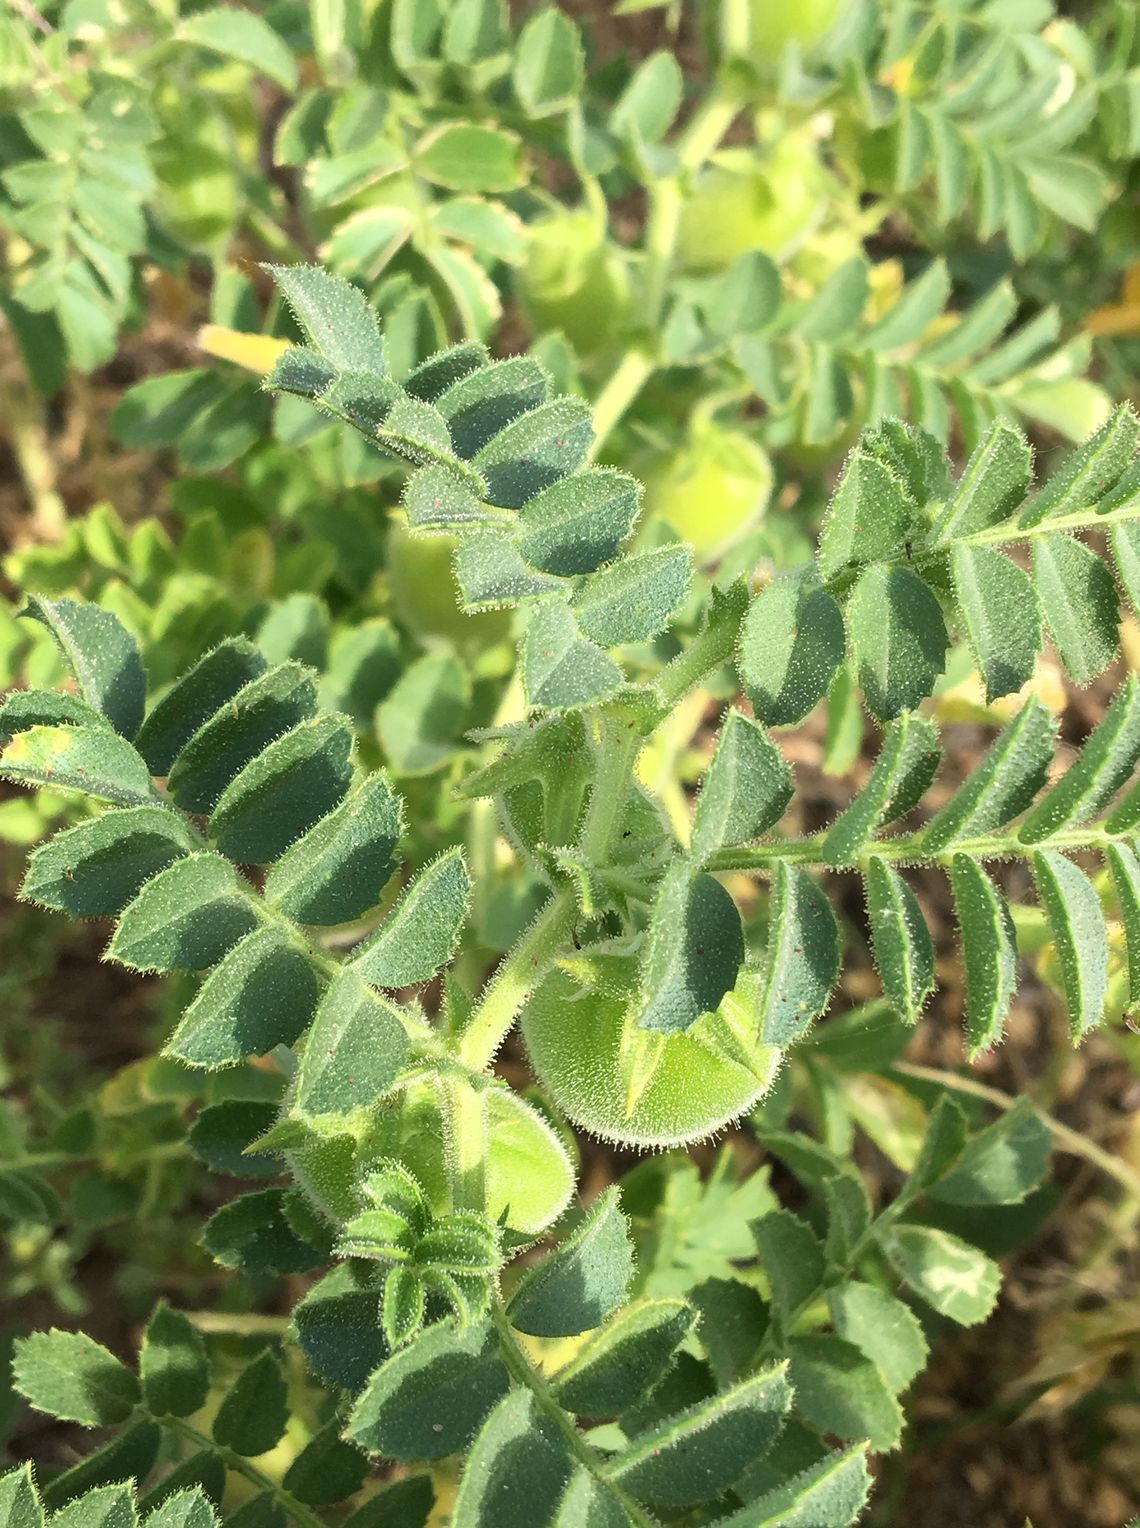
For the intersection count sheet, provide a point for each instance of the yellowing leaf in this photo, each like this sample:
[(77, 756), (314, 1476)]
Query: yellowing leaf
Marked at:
[(256, 352)]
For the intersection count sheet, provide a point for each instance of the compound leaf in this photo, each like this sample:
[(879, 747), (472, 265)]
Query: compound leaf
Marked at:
[(703, 1450), (693, 950), (429, 1399), (898, 638), (989, 948), (263, 994), (95, 869), (562, 668), (830, 1494), (92, 760), (252, 1417), (1078, 597), (1106, 761), (636, 597), (801, 962), (354, 1052), (870, 516), (625, 1359), (185, 918), (298, 779), (215, 679), (173, 1366), (904, 950), (1002, 616), (791, 644), (1002, 785), (517, 1471), (338, 869), (956, 1279)]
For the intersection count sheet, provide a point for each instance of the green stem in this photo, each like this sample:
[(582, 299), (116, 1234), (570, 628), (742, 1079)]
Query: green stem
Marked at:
[(467, 1129), (34, 1160), (634, 370), (1069, 1141), (617, 741), (521, 1369), (709, 123), (908, 849), (243, 1466), (714, 646), (25, 427), (515, 980), (700, 138), (660, 249), (1008, 534), (238, 1323)]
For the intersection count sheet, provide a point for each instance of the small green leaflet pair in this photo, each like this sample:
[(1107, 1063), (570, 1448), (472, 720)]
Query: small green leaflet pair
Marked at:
[(1004, 809)]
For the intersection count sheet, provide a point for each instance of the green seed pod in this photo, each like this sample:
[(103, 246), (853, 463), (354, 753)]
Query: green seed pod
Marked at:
[(713, 490), (753, 201), (575, 282), (636, 1086)]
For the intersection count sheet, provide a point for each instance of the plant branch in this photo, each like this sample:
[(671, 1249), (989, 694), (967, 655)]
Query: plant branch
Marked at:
[(631, 375), (908, 849), (1069, 1141), (246, 1467), (29, 446), (521, 1369), (515, 980)]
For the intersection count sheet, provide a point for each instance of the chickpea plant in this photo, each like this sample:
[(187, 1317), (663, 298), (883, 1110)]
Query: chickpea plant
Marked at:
[(845, 238), (235, 826)]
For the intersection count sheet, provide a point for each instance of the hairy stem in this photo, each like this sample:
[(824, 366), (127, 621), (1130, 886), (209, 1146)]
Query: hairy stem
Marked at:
[(908, 849), (243, 1466), (50, 1159), (616, 744), (26, 432), (515, 980), (521, 1369), (708, 651), (660, 248)]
